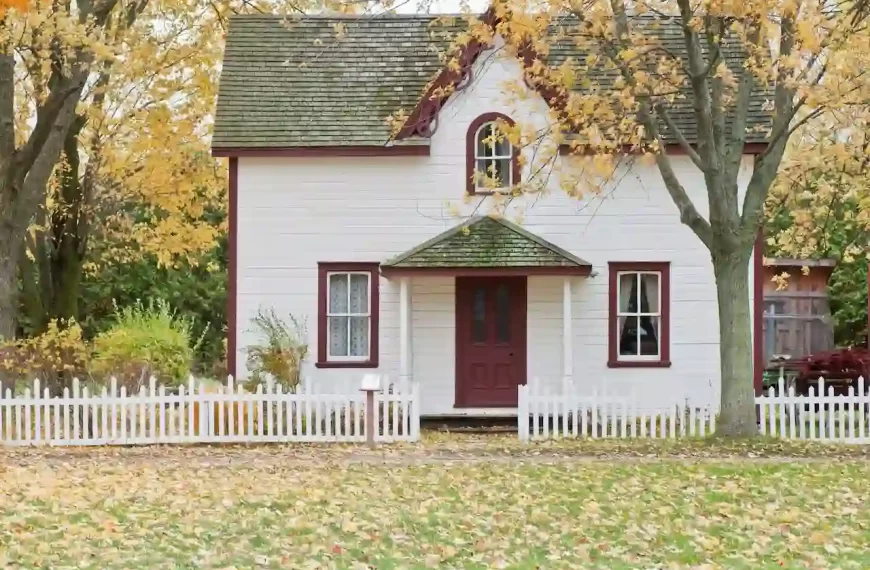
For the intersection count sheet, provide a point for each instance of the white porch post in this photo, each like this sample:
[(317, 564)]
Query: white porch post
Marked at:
[(404, 330), (567, 335)]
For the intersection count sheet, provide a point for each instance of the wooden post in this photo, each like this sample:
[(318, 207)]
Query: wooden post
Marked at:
[(371, 383), (567, 337), (404, 330), (370, 418)]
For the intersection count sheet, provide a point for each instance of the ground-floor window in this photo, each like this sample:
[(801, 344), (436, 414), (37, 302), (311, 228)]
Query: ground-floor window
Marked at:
[(347, 314), (639, 314)]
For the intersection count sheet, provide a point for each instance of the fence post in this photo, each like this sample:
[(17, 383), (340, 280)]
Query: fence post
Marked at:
[(523, 413), (370, 384)]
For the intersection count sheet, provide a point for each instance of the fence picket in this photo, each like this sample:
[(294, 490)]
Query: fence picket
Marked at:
[(782, 408), (854, 415), (771, 411), (37, 434), (153, 414), (56, 409), (822, 412), (862, 408)]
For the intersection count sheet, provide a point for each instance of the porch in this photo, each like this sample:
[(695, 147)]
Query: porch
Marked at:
[(466, 323)]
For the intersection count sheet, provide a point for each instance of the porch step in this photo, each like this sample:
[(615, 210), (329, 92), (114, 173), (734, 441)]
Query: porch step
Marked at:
[(470, 424)]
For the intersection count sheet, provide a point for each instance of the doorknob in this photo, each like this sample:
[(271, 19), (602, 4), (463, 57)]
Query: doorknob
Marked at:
[(510, 354)]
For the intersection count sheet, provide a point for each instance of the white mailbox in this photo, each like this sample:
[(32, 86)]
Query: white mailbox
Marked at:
[(371, 382)]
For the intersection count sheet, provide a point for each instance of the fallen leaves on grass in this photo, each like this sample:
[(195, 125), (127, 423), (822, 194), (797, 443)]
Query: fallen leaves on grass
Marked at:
[(259, 508)]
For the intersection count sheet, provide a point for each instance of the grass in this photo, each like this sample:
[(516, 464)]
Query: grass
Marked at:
[(449, 503)]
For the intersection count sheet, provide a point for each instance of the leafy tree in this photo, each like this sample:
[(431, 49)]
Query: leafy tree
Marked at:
[(137, 142), (197, 291), (47, 53), (820, 207), (810, 56)]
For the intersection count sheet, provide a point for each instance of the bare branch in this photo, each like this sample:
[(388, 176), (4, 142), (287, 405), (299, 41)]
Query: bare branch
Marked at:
[(734, 153), (662, 112), (715, 31)]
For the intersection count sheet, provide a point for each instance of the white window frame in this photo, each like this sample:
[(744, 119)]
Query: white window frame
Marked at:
[(480, 177), (346, 358), (619, 313)]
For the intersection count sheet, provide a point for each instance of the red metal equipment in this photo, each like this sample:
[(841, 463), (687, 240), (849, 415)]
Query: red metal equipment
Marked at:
[(840, 368)]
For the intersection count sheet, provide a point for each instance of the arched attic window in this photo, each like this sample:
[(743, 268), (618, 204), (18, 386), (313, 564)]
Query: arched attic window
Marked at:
[(492, 162)]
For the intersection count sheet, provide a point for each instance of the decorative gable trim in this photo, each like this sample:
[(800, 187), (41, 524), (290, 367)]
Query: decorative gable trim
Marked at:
[(423, 119)]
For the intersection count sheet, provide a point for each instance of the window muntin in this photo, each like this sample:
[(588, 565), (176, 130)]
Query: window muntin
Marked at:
[(348, 316), (639, 315), (493, 159)]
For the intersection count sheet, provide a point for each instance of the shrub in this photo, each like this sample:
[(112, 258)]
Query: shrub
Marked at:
[(281, 355), (143, 342), (54, 356)]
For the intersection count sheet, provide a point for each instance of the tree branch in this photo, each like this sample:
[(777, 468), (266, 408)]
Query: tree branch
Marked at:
[(689, 214), (768, 162), (715, 31), (734, 152), (662, 112)]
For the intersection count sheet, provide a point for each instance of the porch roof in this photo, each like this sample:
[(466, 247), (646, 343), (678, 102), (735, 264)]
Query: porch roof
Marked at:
[(487, 245)]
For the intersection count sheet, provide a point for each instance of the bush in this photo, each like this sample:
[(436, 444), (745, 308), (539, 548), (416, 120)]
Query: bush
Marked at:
[(54, 356), (143, 342), (281, 355)]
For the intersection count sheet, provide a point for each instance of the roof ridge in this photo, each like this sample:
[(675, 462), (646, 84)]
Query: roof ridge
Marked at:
[(475, 220), (519, 230)]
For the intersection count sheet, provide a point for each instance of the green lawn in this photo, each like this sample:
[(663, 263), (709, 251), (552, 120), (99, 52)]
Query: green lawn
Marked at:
[(272, 509)]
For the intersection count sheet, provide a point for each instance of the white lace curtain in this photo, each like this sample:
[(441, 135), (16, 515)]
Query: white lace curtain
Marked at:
[(349, 316)]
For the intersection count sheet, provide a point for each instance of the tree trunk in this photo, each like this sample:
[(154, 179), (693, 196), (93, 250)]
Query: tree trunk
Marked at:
[(11, 236), (737, 409), (9, 254), (67, 226)]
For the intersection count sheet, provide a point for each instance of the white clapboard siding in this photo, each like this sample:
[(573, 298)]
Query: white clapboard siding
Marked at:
[(199, 413), (544, 412)]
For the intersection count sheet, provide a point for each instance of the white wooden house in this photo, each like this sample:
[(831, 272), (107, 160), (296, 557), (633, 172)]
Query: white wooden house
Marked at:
[(383, 244)]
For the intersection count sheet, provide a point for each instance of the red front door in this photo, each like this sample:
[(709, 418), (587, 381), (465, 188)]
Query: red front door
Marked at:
[(490, 340)]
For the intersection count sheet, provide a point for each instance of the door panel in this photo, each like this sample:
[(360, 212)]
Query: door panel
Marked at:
[(490, 340)]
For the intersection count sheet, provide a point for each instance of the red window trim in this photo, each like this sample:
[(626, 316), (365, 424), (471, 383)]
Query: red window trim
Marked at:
[(323, 269), (470, 145), (614, 267)]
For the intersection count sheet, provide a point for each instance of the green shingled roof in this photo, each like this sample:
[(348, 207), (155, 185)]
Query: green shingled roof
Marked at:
[(289, 82), (486, 242)]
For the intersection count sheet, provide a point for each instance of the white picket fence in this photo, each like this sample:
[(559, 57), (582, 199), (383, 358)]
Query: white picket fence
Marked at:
[(817, 416), (204, 413), (544, 413)]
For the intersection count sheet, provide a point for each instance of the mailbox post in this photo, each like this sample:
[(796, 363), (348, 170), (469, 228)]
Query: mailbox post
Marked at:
[(371, 383)]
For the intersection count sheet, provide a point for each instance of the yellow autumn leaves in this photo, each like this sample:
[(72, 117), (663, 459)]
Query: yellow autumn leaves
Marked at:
[(18, 5)]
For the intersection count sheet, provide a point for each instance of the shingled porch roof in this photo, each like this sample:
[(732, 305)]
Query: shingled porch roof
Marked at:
[(484, 245)]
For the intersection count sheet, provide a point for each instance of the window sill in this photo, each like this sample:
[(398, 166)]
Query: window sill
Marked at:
[(502, 192), (347, 364), (638, 363)]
